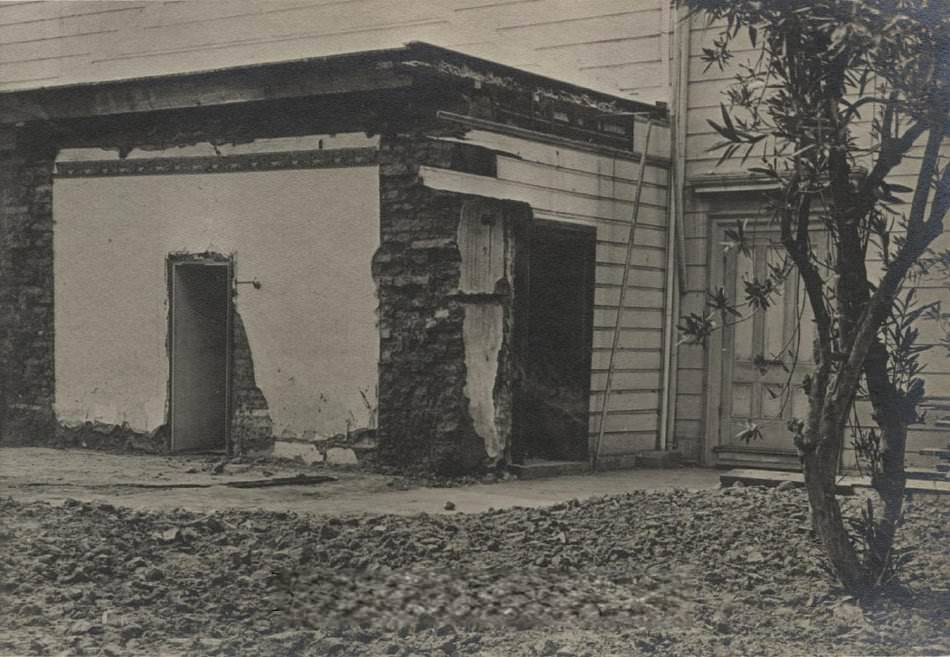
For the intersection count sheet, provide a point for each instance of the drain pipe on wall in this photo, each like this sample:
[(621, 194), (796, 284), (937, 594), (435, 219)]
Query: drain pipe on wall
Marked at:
[(595, 453), (676, 236)]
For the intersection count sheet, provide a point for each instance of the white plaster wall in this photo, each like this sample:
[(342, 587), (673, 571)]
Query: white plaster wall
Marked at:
[(308, 236)]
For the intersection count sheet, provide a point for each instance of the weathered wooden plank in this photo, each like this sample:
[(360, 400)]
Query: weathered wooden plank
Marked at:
[(608, 274), (542, 199), (622, 168), (590, 52), (627, 442), (642, 255), (597, 29), (617, 233), (639, 318), (272, 24), (630, 338), (630, 75), (626, 359), (37, 13), (626, 421), (587, 183), (512, 13), (626, 401), (626, 381), (634, 298)]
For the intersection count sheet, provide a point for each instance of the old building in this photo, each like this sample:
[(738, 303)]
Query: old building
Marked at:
[(225, 223)]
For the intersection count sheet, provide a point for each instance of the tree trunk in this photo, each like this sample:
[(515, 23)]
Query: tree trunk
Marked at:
[(890, 480), (820, 464), (889, 484)]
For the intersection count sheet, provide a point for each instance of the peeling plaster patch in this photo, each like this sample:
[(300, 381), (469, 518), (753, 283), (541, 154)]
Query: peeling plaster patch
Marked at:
[(294, 449), (482, 333)]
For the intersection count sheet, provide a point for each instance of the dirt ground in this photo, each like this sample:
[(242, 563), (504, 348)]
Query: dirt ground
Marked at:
[(645, 572), (157, 482)]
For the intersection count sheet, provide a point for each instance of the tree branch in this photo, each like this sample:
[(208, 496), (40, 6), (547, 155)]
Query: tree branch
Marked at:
[(892, 153)]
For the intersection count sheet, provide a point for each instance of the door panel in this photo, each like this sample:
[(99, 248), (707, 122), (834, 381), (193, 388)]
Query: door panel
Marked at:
[(761, 384), (200, 354)]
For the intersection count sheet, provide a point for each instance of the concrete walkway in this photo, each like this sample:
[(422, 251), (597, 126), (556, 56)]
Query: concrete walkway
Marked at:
[(168, 482)]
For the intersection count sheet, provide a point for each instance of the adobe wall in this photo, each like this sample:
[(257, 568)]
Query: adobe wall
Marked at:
[(445, 372)]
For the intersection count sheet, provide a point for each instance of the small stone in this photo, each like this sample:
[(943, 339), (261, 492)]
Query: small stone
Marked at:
[(136, 563), (547, 648), (170, 535), (738, 484), (152, 574), (341, 456), (786, 485), (85, 627), (425, 622), (445, 630), (112, 650), (449, 506), (131, 631)]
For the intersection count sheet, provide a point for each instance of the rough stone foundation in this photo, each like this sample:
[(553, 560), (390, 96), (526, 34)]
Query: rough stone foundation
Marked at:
[(425, 414), (26, 289)]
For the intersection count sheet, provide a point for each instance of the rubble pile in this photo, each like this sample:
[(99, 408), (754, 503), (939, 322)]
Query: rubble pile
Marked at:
[(735, 571)]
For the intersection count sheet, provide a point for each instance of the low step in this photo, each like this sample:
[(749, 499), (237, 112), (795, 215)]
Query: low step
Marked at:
[(846, 483), (932, 487), (540, 469), (770, 479), (927, 473), (943, 454)]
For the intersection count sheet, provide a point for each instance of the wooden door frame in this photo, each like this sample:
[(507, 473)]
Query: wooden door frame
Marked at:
[(171, 261), (716, 344)]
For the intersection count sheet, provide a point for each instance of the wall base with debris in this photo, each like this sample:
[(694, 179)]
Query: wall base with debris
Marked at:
[(445, 373), (303, 346)]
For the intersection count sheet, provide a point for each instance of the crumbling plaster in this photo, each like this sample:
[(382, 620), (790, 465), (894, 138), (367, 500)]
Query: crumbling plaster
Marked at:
[(306, 235)]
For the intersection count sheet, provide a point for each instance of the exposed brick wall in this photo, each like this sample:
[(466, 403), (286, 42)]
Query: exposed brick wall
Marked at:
[(26, 290), (251, 425), (424, 417)]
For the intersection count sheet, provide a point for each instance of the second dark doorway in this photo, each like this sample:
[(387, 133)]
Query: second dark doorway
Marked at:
[(556, 311)]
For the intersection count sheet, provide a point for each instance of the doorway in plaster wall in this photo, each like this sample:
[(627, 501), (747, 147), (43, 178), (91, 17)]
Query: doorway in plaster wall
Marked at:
[(199, 352), (556, 312)]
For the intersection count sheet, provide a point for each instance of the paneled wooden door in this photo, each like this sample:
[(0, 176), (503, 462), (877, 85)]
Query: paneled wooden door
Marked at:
[(765, 356)]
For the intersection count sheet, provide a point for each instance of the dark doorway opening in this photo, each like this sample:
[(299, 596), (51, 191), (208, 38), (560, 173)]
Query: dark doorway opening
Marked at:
[(555, 310), (199, 352)]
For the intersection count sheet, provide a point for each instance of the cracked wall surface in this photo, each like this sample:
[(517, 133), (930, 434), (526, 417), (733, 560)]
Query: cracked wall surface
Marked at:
[(304, 344), (444, 375)]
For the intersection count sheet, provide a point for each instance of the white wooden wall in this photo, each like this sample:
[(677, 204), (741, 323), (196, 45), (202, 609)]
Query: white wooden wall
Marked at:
[(578, 187), (704, 95), (614, 45)]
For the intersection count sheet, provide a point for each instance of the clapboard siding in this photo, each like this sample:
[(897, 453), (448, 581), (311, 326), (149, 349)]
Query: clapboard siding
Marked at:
[(591, 43), (705, 94), (575, 186)]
